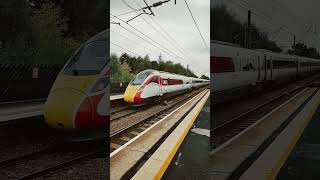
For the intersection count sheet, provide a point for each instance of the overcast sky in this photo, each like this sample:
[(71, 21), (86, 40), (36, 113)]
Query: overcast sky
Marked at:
[(176, 21), (300, 17)]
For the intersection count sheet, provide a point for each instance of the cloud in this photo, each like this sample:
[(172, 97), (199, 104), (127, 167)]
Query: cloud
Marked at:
[(176, 21), (294, 15)]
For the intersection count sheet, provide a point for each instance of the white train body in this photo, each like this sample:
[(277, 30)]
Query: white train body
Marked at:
[(151, 83), (234, 68)]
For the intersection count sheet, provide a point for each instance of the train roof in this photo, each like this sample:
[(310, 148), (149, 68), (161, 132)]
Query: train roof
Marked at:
[(101, 36), (224, 43), (153, 70)]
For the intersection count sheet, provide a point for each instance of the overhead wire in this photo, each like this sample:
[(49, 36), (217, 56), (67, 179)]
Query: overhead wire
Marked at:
[(133, 41), (165, 32), (128, 12), (169, 42), (129, 5), (162, 48), (195, 22), (265, 17), (124, 48)]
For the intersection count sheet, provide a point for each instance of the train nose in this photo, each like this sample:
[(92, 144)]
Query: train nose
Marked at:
[(62, 106), (130, 93)]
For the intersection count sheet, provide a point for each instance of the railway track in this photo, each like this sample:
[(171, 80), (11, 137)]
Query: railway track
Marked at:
[(123, 135), (224, 133), (126, 112), (46, 160)]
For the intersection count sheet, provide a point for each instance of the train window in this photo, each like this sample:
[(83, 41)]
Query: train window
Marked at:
[(174, 81), (221, 64), (280, 64), (154, 79), (304, 64), (139, 79), (90, 59), (248, 67)]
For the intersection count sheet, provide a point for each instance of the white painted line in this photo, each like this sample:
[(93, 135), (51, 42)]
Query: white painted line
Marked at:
[(20, 116), (132, 140), (253, 125), (200, 131), (23, 101), (115, 97)]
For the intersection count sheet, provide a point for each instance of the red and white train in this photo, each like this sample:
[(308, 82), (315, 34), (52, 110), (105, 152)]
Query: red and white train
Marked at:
[(149, 84), (234, 70), (79, 97)]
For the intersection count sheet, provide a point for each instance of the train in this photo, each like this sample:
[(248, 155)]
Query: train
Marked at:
[(235, 71), (151, 84), (79, 97)]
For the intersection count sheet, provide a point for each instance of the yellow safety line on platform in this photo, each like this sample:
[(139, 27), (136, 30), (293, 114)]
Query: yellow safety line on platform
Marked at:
[(275, 170), (168, 159)]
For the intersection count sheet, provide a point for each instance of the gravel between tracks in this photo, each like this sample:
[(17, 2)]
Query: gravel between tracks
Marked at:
[(96, 168)]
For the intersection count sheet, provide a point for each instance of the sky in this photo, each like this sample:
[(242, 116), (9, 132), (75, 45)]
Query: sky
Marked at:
[(296, 16), (176, 38)]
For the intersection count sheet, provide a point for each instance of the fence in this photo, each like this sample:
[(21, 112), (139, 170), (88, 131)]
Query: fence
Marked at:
[(118, 87), (26, 81)]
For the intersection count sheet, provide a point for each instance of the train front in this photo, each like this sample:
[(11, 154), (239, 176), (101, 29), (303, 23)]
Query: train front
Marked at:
[(79, 99), (136, 87)]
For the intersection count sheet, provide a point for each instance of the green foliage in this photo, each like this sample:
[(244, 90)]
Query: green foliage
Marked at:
[(121, 72), (205, 77), (226, 27), (125, 67), (50, 45), (301, 49), (49, 31)]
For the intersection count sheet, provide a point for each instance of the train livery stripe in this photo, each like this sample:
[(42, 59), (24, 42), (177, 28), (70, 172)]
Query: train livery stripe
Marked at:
[(221, 64), (168, 82), (87, 116)]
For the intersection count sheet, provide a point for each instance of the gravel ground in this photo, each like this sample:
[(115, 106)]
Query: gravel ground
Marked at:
[(95, 168), (124, 113), (53, 157), (23, 139)]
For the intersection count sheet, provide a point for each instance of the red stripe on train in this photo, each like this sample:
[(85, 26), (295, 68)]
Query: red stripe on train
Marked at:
[(87, 116), (221, 64)]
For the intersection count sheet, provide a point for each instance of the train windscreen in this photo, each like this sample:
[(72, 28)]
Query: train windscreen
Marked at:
[(90, 59), (139, 79)]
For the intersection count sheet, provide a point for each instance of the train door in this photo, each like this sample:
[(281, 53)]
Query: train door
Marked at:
[(163, 86), (259, 68), (268, 67), (154, 85), (297, 66), (271, 68), (265, 69)]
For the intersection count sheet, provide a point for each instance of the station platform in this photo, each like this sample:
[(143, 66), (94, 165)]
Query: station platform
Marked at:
[(261, 151), (191, 159), (20, 109), (154, 167), (304, 159), (116, 97)]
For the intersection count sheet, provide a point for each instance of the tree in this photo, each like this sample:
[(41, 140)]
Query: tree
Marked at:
[(51, 46), (125, 67), (224, 26), (204, 77)]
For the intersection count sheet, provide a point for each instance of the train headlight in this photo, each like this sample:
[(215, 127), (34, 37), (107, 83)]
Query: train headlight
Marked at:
[(100, 85)]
